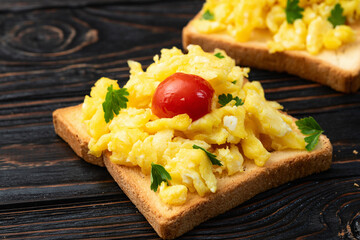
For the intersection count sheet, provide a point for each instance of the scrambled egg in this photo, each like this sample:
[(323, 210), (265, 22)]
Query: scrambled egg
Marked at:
[(313, 32), (136, 137)]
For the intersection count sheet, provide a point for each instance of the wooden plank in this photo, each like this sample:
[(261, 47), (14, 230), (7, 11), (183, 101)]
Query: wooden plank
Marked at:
[(21, 5), (286, 211)]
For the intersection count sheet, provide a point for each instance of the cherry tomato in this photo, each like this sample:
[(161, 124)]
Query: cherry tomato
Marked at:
[(182, 93)]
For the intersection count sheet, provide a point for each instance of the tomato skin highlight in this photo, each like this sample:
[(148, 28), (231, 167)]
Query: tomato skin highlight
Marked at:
[(182, 93)]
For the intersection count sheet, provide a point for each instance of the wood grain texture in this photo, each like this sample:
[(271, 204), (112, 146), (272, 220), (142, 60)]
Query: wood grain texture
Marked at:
[(51, 53)]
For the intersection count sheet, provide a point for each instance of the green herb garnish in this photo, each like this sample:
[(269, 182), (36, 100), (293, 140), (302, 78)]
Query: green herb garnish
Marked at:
[(336, 18), (158, 175), (114, 101), (219, 55), (234, 82), (293, 11), (225, 99), (211, 156), (207, 16), (308, 126)]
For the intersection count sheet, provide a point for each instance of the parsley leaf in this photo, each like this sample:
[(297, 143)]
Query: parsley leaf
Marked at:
[(312, 141), (158, 175), (211, 156), (336, 17), (293, 11), (234, 82), (238, 101), (219, 55), (207, 15), (226, 98), (114, 101), (308, 126)]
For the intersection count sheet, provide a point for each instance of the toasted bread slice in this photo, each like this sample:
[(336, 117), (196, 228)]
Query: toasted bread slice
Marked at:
[(172, 221), (338, 69)]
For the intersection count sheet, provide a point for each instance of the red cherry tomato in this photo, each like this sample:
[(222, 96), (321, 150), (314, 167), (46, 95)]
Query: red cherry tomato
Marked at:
[(182, 93)]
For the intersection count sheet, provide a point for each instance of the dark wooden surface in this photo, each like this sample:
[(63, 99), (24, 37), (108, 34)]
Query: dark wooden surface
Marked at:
[(51, 53)]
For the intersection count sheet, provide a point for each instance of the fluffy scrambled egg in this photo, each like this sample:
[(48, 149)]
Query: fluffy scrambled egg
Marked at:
[(136, 137), (313, 32)]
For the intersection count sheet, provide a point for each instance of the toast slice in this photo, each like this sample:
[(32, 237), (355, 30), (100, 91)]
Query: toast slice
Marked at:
[(172, 221), (338, 69)]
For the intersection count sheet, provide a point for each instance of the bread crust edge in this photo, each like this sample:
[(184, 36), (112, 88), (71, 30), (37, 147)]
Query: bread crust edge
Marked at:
[(66, 125)]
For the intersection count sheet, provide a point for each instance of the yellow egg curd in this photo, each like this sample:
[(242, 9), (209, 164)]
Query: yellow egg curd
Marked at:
[(311, 30), (136, 137)]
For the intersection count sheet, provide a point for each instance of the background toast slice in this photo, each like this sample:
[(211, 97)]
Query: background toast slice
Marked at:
[(338, 69), (172, 221)]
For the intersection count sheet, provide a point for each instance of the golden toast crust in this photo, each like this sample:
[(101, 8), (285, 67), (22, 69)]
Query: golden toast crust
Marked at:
[(338, 69), (68, 125), (172, 221)]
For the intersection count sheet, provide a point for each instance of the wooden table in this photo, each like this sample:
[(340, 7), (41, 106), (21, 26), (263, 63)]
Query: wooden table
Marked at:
[(52, 52)]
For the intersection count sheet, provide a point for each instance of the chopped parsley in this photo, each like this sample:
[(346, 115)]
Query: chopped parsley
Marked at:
[(211, 156), (336, 18), (293, 11), (207, 15), (219, 55), (226, 98), (114, 101), (308, 126), (158, 175)]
